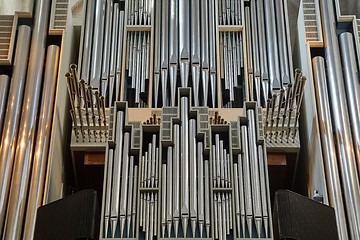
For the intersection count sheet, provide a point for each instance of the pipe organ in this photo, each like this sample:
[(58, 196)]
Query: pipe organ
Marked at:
[(186, 100)]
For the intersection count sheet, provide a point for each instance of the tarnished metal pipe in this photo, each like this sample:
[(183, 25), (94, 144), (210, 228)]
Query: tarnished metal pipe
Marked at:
[(24, 150), (328, 146), (341, 124), (42, 142), (12, 117)]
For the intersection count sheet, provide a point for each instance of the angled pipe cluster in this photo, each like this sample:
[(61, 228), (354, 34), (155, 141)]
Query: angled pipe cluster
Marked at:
[(87, 109)]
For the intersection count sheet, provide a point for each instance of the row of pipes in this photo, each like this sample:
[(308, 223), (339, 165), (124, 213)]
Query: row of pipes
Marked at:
[(191, 192), (27, 106), (269, 56), (337, 94), (184, 53), (100, 57)]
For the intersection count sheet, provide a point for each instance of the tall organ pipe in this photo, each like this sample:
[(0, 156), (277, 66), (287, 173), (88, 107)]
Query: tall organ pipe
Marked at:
[(97, 50), (346, 156), (24, 149), (328, 146), (4, 83), (352, 88), (12, 117), (42, 141), (87, 44)]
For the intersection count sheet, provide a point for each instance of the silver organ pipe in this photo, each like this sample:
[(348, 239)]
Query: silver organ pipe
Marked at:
[(27, 127), (183, 177), (4, 87), (39, 161), (331, 166), (12, 118), (341, 121)]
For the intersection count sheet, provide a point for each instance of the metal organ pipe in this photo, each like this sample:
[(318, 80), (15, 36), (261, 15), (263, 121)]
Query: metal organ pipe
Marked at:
[(42, 141), (328, 145), (97, 50), (4, 83), (12, 117), (346, 156), (352, 88), (27, 127), (88, 34)]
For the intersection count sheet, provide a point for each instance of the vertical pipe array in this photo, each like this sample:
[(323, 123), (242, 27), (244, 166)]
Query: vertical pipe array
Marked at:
[(328, 146), (12, 118), (185, 195), (180, 49), (39, 161), (341, 122), (27, 127), (269, 52), (101, 54)]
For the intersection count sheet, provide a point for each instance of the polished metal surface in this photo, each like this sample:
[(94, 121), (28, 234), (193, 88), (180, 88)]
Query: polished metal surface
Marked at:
[(25, 149), (340, 118), (4, 87), (39, 162), (88, 41), (328, 146), (97, 43), (352, 88), (12, 118)]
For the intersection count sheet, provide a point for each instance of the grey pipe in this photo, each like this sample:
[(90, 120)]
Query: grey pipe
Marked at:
[(346, 156), (204, 5), (157, 52), (272, 49), (119, 55), (328, 146), (107, 43), (282, 43), (24, 150), (4, 84), (193, 210), (176, 181), (184, 166), (113, 53), (87, 44), (42, 141), (109, 176), (169, 190), (12, 117), (115, 199), (352, 88), (200, 186), (212, 44), (97, 50)]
